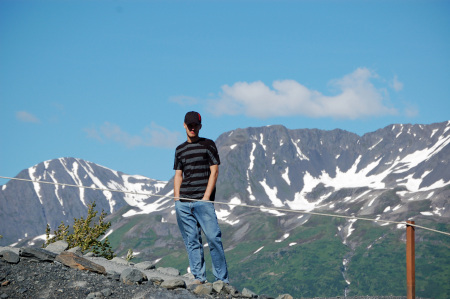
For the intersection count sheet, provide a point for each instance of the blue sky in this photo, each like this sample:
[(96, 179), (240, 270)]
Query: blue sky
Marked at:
[(110, 81)]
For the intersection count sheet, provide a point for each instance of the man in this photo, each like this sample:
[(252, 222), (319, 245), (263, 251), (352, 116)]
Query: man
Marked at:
[(196, 170)]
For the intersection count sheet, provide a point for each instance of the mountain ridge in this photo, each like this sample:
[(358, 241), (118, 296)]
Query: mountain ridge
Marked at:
[(395, 173)]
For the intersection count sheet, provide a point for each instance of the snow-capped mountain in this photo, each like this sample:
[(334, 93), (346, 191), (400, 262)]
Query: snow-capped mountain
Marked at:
[(336, 170), (400, 172), (27, 207)]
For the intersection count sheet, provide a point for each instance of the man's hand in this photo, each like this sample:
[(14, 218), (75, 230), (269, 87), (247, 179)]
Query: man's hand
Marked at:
[(211, 181)]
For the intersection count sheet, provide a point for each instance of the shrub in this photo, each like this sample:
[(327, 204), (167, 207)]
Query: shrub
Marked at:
[(84, 236)]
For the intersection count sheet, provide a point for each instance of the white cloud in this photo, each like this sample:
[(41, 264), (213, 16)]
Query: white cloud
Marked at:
[(356, 97), (396, 85), (27, 117), (151, 136)]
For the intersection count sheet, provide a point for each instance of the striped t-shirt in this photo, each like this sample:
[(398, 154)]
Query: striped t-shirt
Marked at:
[(194, 159)]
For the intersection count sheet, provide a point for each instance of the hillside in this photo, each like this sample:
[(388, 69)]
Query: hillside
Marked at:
[(397, 173)]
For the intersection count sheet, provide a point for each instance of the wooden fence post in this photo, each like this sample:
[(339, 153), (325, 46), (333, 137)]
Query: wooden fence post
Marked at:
[(410, 262)]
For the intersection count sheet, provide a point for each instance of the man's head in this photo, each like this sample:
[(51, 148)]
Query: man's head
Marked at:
[(192, 124)]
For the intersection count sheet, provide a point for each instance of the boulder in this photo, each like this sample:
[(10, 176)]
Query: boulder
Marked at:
[(121, 261), (72, 260), (156, 280), (57, 247), (248, 294), (219, 287), (145, 266), (285, 296), (76, 250), (231, 290), (132, 276), (189, 276), (172, 284), (203, 289), (10, 257), (169, 271), (38, 254), (13, 249)]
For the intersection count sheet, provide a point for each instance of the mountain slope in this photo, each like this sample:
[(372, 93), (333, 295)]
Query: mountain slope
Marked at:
[(27, 207), (396, 173)]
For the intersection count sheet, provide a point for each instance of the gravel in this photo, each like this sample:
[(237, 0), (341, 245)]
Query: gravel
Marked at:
[(29, 279)]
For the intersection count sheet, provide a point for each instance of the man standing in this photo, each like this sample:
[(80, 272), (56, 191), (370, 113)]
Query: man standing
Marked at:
[(196, 170)]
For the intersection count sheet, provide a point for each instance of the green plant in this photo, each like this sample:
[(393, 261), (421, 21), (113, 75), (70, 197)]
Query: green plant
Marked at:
[(130, 255), (84, 235)]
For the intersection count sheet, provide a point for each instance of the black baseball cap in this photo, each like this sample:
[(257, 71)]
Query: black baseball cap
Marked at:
[(192, 117)]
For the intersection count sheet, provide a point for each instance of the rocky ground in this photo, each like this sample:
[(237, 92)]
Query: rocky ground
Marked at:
[(38, 273)]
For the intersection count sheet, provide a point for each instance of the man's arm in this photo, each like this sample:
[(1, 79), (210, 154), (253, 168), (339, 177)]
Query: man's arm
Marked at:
[(178, 179), (211, 181)]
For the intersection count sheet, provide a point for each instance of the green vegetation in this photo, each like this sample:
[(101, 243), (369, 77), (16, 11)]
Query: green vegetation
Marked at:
[(309, 261), (130, 255), (84, 236)]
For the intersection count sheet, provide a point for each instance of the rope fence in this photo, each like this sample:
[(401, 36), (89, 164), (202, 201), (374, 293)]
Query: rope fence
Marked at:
[(235, 204)]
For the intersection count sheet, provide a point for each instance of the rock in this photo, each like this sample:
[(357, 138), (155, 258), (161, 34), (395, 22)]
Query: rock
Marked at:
[(76, 250), (94, 295), (106, 292), (114, 276), (248, 294), (121, 261), (57, 247), (89, 254), (132, 276), (219, 287), (38, 254), (156, 280), (10, 257), (231, 290), (203, 289), (189, 276), (169, 271), (72, 260), (173, 284), (285, 296), (13, 249), (145, 266)]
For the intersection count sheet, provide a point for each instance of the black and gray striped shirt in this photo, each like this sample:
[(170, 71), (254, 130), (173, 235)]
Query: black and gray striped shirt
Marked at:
[(194, 159)]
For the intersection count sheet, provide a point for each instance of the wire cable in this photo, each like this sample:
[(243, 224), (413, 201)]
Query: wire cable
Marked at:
[(233, 204)]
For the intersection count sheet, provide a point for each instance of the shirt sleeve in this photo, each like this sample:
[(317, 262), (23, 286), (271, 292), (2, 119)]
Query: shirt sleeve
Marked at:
[(213, 154), (177, 165)]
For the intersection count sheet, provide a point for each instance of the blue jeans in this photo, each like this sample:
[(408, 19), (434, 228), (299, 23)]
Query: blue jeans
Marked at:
[(192, 217)]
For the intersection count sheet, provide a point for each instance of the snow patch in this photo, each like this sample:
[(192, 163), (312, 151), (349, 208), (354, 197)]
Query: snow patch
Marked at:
[(426, 213), (285, 176), (37, 186), (373, 146), (261, 141), (233, 146), (252, 157), (272, 193), (147, 208), (258, 250), (270, 211), (284, 237), (299, 152)]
